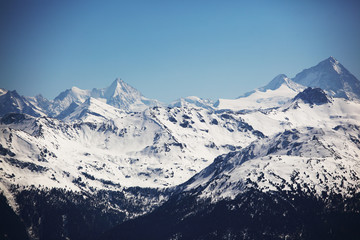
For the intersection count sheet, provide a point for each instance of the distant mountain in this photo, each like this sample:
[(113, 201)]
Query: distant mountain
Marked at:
[(192, 101), (119, 94), (331, 76), (12, 102), (280, 90), (66, 98), (40, 102), (92, 110), (69, 110), (276, 83)]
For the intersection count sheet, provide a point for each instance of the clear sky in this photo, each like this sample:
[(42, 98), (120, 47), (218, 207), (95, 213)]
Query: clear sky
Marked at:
[(170, 49)]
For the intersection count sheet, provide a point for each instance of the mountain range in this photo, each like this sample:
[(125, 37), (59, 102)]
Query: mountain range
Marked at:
[(279, 162)]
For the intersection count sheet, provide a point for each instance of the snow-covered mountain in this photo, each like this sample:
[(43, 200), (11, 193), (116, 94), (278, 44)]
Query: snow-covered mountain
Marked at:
[(11, 101), (280, 90), (119, 94), (40, 102), (112, 155), (3, 91), (67, 98), (308, 160), (92, 110), (192, 102), (276, 83), (155, 148), (331, 76), (302, 182)]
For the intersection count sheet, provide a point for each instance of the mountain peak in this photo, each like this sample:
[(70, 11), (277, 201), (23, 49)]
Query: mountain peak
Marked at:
[(275, 83), (331, 76), (118, 88), (118, 82), (3, 91), (280, 80), (281, 76), (12, 102), (332, 59), (332, 64), (115, 84)]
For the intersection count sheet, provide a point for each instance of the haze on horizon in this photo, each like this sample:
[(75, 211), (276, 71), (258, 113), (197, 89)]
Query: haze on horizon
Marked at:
[(171, 49)]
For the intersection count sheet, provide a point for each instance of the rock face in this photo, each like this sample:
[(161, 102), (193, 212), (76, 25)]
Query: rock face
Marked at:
[(313, 96)]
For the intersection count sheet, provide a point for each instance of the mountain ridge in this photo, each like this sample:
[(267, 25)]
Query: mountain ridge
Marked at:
[(329, 75)]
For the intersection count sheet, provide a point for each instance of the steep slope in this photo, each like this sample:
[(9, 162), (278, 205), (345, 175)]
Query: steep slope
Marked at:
[(331, 76), (121, 95), (40, 103), (313, 96), (277, 82), (66, 98), (12, 102), (93, 110)]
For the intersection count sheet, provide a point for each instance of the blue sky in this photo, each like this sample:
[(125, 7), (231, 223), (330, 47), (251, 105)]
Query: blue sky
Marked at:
[(171, 49)]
